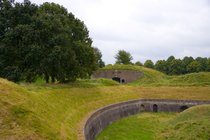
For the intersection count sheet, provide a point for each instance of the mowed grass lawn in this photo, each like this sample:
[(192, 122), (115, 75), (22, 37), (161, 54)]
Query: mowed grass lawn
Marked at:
[(30, 111), (144, 126), (192, 124)]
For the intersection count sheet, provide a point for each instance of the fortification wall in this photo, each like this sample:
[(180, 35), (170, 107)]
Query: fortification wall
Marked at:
[(105, 116), (125, 76)]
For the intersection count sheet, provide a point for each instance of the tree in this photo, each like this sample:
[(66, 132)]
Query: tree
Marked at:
[(170, 58), (161, 65), (194, 67), (173, 66), (43, 40), (208, 65), (15, 36), (202, 62), (138, 63), (123, 57), (176, 67), (186, 61), (12, 73), (169, 63), (66, 34), (99, 61), (86, 59), (149, 64)]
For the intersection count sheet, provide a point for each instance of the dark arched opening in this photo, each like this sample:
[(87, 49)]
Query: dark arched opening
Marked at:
[(123, 80), (116, 79), (182, 108), (142, 108), (155, 108)]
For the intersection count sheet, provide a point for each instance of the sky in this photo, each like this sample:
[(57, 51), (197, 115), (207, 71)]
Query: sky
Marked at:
[(148, 29)]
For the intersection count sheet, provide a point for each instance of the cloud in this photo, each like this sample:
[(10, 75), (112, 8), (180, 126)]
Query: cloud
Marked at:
[(149, 29)]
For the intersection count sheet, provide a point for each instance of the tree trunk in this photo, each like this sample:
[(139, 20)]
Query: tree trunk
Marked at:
[(53, 79), (47, 78)]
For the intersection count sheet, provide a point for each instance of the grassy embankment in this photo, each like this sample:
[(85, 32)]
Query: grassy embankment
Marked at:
[(44, 111), (192, 124), (155, 78)]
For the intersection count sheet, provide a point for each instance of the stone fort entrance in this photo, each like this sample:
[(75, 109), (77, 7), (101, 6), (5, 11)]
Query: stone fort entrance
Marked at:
[(118, 79), (121, 76)]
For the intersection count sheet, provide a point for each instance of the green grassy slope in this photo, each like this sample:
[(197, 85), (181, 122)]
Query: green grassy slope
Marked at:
[(12, 98), (155, 78), (138, 127), (48, 111), (192, 124), (202, 78), (45, 111)]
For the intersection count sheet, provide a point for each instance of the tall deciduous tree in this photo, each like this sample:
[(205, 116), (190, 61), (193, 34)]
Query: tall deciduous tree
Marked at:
[(43, 40), (15, 37), (123, 57)]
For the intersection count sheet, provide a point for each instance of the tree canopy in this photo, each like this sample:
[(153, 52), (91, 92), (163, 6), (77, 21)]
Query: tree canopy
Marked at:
[(44, 40), (149, 64), (123, 57), (138, 63), (99, 61), (173, 66)]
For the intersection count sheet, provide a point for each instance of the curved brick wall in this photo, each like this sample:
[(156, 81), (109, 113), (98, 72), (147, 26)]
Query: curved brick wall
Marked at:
[(104, 116)]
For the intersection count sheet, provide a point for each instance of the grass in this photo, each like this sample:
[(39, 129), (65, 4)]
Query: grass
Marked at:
[(143, 126), (57, 111), (192, 124), (155, 78), (79, 83)]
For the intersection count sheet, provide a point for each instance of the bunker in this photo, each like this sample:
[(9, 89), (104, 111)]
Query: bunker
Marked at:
[(121, 76)]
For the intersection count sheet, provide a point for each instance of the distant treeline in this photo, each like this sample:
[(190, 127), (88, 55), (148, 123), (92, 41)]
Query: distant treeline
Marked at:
[(46, 41), (173, 66)]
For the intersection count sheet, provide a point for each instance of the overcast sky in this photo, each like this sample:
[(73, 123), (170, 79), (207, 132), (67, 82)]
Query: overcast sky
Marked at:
[(148, 29)]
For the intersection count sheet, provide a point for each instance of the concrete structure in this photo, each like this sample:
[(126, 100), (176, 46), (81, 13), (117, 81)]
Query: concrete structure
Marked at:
[(122, 76), (105, 116)]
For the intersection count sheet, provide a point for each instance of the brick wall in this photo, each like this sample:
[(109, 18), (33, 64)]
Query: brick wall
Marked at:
[(126, 76)]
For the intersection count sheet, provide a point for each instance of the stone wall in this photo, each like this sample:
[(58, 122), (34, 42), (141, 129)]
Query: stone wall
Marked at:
[(105, 116), (125, 76)]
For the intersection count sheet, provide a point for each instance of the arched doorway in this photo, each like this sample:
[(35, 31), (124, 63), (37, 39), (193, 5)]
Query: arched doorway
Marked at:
[(184, 107), (116, 79), (155, 108), (142, 108)]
